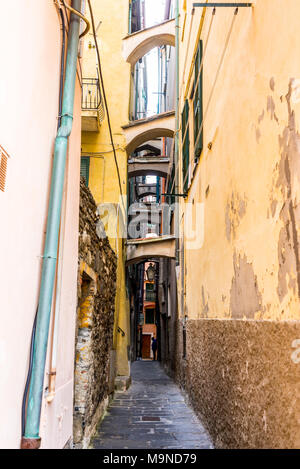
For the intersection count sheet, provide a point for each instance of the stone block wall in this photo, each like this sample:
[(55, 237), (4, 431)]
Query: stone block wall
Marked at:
[(243, 379), (95, 321)]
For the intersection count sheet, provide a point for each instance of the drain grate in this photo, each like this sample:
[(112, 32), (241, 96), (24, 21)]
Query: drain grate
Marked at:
[(150, 419)]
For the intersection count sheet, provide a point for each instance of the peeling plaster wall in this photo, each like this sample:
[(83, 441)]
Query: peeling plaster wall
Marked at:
[(242, 283), (249, 180)]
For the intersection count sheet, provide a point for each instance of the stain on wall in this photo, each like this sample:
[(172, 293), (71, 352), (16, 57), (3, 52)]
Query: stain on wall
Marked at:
[(235, 211), (245, 298), (288, 182), (271, 108), (205, 306), (273, 207), (272, 83)]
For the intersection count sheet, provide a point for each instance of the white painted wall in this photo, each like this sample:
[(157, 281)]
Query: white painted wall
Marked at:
[(30, 47)]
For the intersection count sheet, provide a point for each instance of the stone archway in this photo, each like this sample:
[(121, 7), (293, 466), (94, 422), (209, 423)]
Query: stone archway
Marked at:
[(139, 132), (138, 44)]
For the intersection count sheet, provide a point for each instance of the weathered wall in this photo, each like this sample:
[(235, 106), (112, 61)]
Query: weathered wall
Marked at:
[(95, 320), (245, 268), (244, 381), (248, 182), (29, 91)]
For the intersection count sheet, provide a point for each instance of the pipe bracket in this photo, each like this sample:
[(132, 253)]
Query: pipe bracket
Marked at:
[(67, 115), (30, 443)]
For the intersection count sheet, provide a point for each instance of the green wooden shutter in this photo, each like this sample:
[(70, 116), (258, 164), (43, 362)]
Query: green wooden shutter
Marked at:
[(85, 168), (198, 104), (171, 186), (185, 144)]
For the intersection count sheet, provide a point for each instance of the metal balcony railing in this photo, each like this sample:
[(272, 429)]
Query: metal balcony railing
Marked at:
[(91, 94), (150, 296)]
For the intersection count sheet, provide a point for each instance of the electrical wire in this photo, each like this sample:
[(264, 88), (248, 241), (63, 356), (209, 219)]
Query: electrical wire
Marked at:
[(81, 16), (214, 84), (219, 67), (205, 48), (105, 102), (60, 4), (66, 13), (198, 78)]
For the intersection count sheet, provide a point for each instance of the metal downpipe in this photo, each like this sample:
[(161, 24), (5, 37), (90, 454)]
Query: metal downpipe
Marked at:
[(31, 439)]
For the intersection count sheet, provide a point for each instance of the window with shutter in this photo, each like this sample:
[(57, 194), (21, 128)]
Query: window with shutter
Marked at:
[(85, 169), (171, 185), (198, 103), (185, 145), (150, 292)]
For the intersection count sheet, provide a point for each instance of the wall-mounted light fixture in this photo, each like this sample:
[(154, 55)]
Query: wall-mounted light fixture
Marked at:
[(151, 272)]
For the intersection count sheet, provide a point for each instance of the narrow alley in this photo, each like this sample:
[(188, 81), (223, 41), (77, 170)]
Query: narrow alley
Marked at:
[(151, 414), (150, 225)]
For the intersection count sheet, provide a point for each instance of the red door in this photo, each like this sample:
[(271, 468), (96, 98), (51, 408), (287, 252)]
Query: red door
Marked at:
[(146, 343)]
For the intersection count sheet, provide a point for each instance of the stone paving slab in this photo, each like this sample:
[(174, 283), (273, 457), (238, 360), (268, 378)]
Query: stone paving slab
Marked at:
[(154, 397)]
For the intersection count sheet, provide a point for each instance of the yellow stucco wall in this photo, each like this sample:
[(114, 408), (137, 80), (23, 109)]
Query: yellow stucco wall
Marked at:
[(103, 178), (248, 182)]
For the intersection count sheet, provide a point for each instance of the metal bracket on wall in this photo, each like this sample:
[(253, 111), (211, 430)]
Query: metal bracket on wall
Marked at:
[(121, 331), (215, 4)]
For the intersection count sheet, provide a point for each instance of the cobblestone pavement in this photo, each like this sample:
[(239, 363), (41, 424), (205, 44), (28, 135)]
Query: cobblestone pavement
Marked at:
[(151, 414)]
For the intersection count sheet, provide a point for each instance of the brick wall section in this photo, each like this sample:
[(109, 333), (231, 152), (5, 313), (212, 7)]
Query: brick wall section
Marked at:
[(243, 382), (96, 305)]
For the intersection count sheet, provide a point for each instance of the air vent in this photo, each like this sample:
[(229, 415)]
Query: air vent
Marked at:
[(3, 168)]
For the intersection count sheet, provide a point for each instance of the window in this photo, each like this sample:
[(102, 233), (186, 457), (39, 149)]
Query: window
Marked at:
[(150, 292), (198, 103), (185, 145), (150, 313), (85, 169), (171, 185)]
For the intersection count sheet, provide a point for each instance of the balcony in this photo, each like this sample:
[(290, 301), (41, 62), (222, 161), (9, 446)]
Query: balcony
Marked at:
[(139, 132), (150, 296), (148, 166), (92, 110), (144, 190)]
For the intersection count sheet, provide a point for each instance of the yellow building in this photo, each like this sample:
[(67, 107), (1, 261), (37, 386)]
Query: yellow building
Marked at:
[(98, 161), (239, 223)]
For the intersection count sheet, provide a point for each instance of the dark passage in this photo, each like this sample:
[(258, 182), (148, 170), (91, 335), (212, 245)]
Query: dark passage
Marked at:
[(151, 414)]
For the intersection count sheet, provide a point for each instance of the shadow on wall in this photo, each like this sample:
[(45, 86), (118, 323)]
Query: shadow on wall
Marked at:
[(95, 321)]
